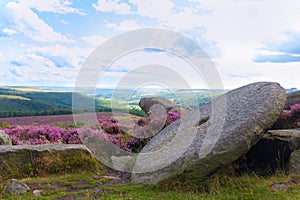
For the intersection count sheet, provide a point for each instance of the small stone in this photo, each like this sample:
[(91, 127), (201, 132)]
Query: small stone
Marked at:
[(280, 186), (37, 193), (14, 186), (4, 138)]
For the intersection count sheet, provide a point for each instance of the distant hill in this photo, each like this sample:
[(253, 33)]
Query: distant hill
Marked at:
[(291, 90), (16, 102), (24, 101)]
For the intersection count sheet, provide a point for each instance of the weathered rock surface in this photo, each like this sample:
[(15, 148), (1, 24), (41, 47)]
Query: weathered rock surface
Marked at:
[(291, 136), (14, 186), (292, 99), (147, 103), (212, 136), (4, 138), (294, 163), (12, 157)]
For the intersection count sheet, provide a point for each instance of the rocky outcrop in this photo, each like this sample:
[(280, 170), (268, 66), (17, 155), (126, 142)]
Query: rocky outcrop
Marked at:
[(146, 104), (212, 136), (51, 157), (272, 152), (4, 138), (290, 136), (292, 99), (14, 186)]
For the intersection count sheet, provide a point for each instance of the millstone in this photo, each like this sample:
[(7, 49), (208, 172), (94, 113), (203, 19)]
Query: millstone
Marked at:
[(212, 136)]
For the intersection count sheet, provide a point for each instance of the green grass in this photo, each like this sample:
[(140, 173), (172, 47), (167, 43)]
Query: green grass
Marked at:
[(88, 185)]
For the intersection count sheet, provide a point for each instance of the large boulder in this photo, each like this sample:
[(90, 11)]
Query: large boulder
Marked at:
[(146, 104), (4, 138), (212, 136), (292, 99)]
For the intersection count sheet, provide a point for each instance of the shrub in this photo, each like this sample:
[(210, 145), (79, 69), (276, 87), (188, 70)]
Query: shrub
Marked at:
[(4, 125), (289, 118), (121, 135)]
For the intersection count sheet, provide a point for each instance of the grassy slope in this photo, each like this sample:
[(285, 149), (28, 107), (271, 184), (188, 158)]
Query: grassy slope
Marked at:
[(13, 100), (89, 185), (13, 97)]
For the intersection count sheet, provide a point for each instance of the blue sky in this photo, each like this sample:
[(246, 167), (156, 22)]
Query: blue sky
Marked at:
[(46, 42)]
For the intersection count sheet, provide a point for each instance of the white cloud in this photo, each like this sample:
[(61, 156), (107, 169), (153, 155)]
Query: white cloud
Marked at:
[(142, 67), (47, 65), (124, 25), (1, 54), (72, 56), (154, 9), (9, 31), (29, 23), (94, 40), (113, 6), (41, 70), (55, 6), (110, 25), (64, 21), (240, 29), (159, 10), (163, 12)]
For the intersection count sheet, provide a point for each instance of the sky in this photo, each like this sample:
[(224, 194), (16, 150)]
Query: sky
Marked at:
[(46, 43)]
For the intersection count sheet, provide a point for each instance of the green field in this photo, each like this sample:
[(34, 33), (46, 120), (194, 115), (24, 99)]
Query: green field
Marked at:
[(112, 186)]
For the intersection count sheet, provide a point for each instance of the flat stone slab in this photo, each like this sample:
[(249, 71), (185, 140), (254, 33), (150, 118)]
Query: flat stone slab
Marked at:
[(212, 136), (292, 136), (20, 155)]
